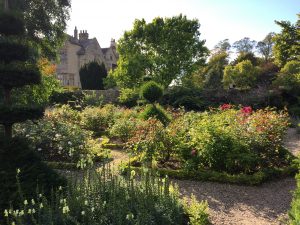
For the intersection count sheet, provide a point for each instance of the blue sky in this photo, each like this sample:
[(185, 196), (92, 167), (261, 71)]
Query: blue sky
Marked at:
[(219, 19)]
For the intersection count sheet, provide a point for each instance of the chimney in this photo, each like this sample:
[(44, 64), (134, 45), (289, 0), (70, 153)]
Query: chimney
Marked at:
[(113, 43), (76, 33), (83, 35)]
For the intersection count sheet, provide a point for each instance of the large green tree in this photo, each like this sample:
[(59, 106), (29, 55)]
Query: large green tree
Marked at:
[(165, 50), (287, 45), (44, 21)]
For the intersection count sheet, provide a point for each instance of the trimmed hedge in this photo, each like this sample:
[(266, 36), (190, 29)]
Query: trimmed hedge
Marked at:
[(19, 114), (221, 177), (11, 24)]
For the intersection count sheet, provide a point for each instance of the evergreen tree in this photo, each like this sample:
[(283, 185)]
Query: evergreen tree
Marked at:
[(17, 68), (92, 75)]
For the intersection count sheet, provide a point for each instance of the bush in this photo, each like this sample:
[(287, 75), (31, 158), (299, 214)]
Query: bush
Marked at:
[(156, 111), (98, 119), (147, 201), (231, 140), (57, 138), (129, 97), (294, 214), (151, 91), (15, 156), (123, 128)]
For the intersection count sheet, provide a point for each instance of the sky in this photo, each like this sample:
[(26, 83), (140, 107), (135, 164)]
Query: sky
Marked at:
[(219, 19)]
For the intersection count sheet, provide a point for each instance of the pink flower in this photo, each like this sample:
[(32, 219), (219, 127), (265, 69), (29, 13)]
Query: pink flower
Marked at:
[(247, 110), (194, 152), (225, 106)]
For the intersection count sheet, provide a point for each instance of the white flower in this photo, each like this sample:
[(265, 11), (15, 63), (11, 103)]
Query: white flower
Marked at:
[(29, 211), (33, 211), (32, 202), (83, 213), (86, 202), (21, 213), (5, 213), (60, 188), (39, 149), (93, 209), (41, 206), (25, 202), (13, 223), (18, 171), (60, 148), (57, 135), (66, 209), (69, 143), (27, 135), (40, 195)]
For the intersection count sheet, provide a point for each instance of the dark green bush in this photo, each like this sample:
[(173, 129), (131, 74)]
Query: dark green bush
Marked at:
[(17, 155), (66, 97), (156, 111), (129, 97), (11, 24), (151, 91)]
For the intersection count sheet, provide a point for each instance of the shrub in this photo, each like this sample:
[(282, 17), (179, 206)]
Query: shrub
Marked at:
[(123, 128), (58, 139), (151, 91), (91, 99), (98, 119), (128, 97), (294, 214), (15, 156), (232, 140), (156, 111), (147, 201)]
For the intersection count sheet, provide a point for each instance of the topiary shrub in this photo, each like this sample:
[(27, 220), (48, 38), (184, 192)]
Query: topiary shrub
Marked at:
[(128, 97), (157, 112), (151, 91)]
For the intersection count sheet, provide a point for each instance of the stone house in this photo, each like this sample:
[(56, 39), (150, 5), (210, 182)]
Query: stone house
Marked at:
[(79, 50)]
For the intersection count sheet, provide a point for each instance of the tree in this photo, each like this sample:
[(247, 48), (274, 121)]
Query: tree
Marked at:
[(246, 56), (287, 46), (165, 50), (44, 21), (222, 46), (243, 75), (244, 45), (211, 75), (265, 46), (17, 68), (92, 75)]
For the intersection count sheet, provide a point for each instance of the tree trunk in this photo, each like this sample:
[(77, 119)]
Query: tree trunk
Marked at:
[(8, 130)]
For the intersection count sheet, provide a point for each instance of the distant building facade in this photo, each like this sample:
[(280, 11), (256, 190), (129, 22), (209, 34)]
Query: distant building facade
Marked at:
[(79, 50)]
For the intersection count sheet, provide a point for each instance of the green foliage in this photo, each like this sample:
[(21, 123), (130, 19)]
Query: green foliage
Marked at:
[(243, 75), (16, 154), (232, 140), (244, 45), (15, 21), (265, 46), (66, 97), (92, 99), (286, 46), (197, 211), (157, 112), (10, 51), (246, 56), (289, 77), (129, 97), (98, 119), (37, 94), (19, 75), (294, 214), (147, 201), (44, 26), (58, 138), (92, 75), (151, 91), (11, 115), (165, 49), (123, 128), (211, 75), (179, 96)]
